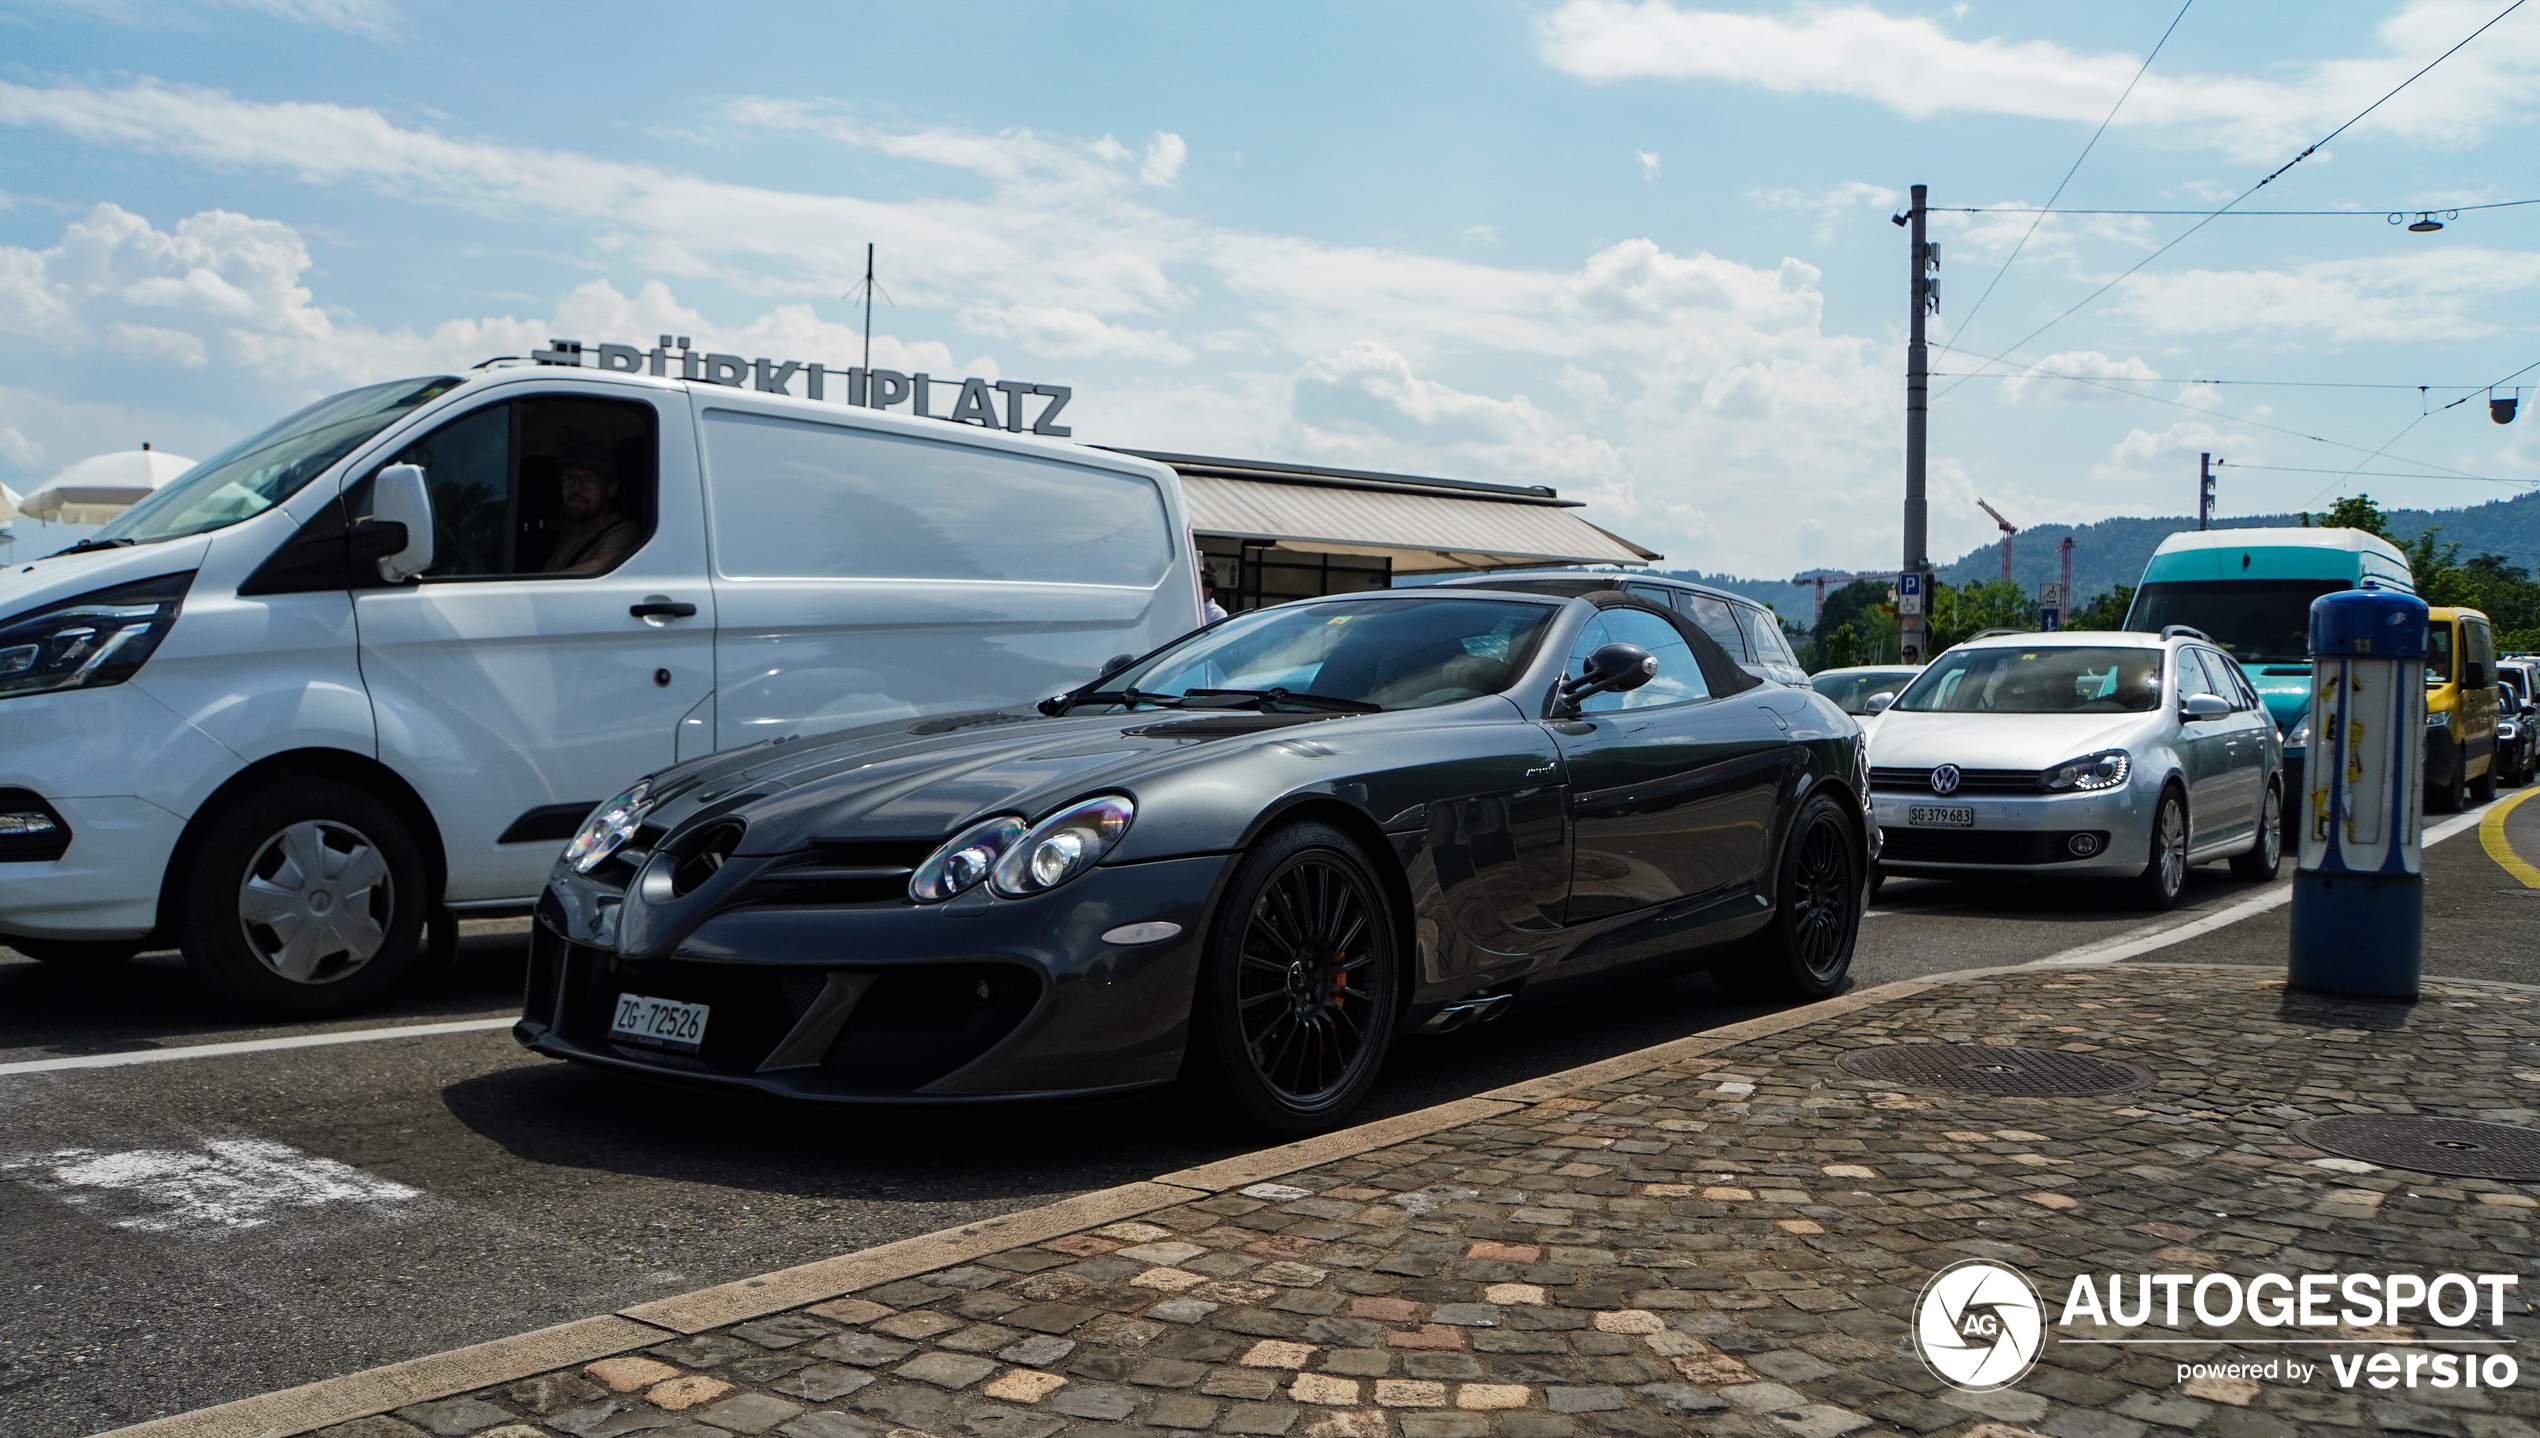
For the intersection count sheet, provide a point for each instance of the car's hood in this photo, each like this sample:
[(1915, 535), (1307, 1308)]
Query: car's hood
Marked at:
[(912, 779), (36, 583), (1904, 740)]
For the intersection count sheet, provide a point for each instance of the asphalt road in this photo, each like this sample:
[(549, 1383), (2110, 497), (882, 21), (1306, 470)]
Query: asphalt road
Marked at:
[(177, 1234)]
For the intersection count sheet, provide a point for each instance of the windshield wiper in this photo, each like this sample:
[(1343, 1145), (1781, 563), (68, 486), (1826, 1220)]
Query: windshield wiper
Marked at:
[(1327, 703), (1132, 694), (90, 545)]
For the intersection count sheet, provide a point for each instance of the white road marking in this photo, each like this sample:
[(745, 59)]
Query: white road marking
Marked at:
[(252, 1046), (2144, 941), (229, 1184)]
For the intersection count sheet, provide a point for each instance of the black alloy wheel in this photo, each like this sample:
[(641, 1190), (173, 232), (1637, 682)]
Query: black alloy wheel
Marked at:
[(1806, 953), (1298, 992), (2164, 875)]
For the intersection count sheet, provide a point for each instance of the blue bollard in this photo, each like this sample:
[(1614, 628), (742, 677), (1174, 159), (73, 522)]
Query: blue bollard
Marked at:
[(2359, 887)]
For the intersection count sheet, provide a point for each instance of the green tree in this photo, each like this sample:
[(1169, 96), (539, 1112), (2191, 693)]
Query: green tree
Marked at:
[(2355, 512), (1957, 614), (2106, 609), (2504, 592), (1840, 648)]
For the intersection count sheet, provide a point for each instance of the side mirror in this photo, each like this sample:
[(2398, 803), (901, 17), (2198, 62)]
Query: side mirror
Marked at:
[(1115, 664), (1614, 668), (1878, 703), (399, 530), (2205, 706)]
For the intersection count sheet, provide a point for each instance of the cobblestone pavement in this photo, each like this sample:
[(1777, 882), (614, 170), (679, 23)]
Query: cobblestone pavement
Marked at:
[(1727, 1247)]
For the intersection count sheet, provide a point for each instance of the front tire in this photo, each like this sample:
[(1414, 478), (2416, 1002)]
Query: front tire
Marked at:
[(2450, 796), (76, 953), (1807, 951), (2164, 875), (2266, 855), (2483, 788), (1299, 987), (301, 899)]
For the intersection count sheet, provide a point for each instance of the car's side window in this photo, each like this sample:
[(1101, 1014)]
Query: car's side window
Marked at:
[(1764, 636), (2198, 674), (1679, 676), (1713, 617), (559, 486)]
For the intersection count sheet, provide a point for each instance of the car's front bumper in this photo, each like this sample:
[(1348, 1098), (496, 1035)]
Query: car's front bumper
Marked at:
[(975, 1000), (2019, 834)]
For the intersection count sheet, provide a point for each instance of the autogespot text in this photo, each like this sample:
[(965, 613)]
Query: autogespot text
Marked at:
[(2356, 1304)]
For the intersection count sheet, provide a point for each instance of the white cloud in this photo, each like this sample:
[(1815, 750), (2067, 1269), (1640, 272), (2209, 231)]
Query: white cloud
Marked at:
[(2039, 383), (1832, 207), (2434, 294), (19, 450), (1164, 157), (1052, 331), (2167, 458), (1911, 65), (1648, 163), (1480, 235)]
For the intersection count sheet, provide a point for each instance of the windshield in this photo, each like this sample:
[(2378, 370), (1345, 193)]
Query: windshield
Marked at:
[(2257, 621), (1393, 653), (1852, 692), (2010, 679), (256, 474), (2438, 653)]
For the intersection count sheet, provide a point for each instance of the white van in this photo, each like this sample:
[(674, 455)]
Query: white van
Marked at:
[(370, 668)]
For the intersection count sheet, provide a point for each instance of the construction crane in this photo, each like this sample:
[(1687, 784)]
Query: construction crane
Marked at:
[(2008, 529), (1822, 580)]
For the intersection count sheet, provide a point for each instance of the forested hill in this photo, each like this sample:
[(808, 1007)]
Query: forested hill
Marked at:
[(2114, 551)]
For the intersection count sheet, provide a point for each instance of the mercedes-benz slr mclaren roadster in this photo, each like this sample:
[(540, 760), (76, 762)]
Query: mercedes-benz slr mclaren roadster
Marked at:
[(1245, 862)]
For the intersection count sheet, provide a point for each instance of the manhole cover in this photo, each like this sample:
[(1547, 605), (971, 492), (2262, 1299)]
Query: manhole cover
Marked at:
[(2010, 1073), (2455, 1147)]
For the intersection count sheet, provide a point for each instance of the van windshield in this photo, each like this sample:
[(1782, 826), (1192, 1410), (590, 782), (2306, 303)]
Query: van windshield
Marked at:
[(2016, 679), (260, 472), (2257, 621)]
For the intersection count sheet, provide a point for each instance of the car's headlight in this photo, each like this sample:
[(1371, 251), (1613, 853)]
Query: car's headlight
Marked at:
[(965, 859), (608, 828), (91, 641), (2104, 770), (2438, 718), (1063, 846), (2300, 738)]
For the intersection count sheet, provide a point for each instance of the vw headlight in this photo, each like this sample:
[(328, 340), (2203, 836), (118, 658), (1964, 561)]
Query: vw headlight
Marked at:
[(91, 641), (2104, 770), (608, 828), (965, 859), (1063, 846), (2300, 738)]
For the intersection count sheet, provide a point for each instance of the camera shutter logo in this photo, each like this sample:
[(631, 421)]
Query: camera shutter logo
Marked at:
[(1945, 779), (1979, 1325)]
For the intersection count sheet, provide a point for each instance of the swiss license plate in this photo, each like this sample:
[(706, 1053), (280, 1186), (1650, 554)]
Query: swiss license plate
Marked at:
[(659, 1023), (1939, 816)]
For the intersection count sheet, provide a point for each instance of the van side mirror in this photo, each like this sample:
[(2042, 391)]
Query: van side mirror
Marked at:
[(399, 530), (1614, 668), (1877, 703), (2205, 706), (1115, 664)]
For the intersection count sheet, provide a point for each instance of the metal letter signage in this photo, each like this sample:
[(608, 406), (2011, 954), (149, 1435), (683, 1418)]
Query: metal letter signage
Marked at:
[(878, 389)]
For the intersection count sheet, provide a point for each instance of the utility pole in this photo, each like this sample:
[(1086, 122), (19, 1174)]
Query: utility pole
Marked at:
[(1923, 298), (2205, 491)]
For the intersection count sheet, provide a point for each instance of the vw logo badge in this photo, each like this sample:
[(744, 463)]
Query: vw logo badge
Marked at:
[(1944, 780), (1979, 1325)]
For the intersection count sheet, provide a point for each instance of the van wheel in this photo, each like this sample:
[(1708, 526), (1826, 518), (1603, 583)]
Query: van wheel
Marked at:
[(1817, 897), (302, 899), (2483, 788), (2259, 865), (2449, 797), (2164, 875), (76, 953)]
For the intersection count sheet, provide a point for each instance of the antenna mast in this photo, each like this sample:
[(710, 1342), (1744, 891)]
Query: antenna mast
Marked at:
[(868, 307)]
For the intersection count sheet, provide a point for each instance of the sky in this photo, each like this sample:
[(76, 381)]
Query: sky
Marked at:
[(1641, 252)]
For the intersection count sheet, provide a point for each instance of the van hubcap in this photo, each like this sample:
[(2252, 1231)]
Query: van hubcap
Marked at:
[(315, 903)]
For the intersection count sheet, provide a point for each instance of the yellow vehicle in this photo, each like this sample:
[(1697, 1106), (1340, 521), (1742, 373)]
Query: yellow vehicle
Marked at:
[(2460, 710)]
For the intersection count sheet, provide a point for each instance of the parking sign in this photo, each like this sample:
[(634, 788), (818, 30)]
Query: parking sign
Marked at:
[(2050, 594)]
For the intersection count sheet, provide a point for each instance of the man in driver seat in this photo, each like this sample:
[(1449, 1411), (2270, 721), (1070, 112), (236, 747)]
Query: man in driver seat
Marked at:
[(595, 535)]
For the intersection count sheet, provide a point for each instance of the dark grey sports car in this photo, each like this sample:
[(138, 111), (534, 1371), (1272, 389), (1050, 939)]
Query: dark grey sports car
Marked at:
[(1244, 862)]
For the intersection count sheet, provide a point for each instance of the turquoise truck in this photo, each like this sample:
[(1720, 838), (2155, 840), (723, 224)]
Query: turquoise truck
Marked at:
[(2250, 591)]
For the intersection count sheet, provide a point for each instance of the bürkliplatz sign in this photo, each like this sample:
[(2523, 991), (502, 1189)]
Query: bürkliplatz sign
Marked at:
[(992, 404)]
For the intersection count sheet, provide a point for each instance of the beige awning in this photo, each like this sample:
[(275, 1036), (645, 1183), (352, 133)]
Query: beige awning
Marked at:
[(1419, 532)]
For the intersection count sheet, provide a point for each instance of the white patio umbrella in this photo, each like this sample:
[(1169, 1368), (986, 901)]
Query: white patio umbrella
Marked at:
[(97, 489)]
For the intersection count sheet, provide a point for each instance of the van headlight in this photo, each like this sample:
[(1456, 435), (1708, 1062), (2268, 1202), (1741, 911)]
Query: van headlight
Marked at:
[(2438, 718), (1063, 846), (2104, 770), (91, 641), (965, 859), (609, 827), (2300, 738)]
